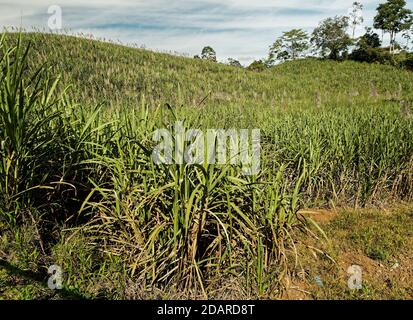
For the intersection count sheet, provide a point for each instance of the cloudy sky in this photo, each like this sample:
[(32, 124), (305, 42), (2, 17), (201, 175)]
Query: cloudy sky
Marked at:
[(242, 29)]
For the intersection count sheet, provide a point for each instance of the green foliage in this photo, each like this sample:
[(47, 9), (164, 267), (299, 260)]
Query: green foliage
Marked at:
[(372, 55), (234, 63), (25, 138), (209, 54), (369, 40), (408, 62), (330, 38), (369, 51), (257, 66), (393, 17), (292, 45)]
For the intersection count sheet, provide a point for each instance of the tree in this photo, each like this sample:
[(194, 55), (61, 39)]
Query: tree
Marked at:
[(368, 49), (257, 65), (408, 34), (292, 45), (356, 16), (330, 38), (393, 17), (234, 63), (369, 39), (209, 54)]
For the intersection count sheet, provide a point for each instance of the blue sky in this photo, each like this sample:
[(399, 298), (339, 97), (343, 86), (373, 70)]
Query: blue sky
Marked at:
[(241, 29)]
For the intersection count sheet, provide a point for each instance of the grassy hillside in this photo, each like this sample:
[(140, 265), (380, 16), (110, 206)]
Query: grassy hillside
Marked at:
[(119, 75), (76, 173)]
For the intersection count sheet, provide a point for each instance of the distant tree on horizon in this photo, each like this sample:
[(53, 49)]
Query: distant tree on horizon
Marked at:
[(234, 63), (257, 65), (356, 16), (393, 17), (330, 38), (209, 54), (370, 39), (368, 49), (290, 46)]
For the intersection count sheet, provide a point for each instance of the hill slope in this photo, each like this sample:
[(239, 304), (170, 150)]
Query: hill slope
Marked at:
[(120, 75)]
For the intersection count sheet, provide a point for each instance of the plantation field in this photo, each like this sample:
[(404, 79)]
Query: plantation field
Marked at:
[(79, 189)]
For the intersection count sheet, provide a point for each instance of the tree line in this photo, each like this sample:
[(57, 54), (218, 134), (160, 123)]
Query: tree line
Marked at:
[(334, 38)]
